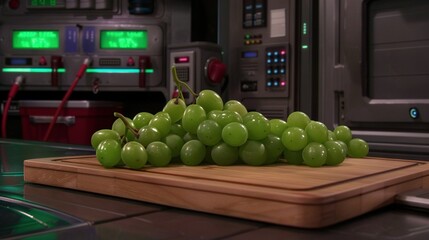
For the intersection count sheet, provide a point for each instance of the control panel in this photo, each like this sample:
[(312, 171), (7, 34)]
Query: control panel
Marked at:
[(261, 41), (46, 41)]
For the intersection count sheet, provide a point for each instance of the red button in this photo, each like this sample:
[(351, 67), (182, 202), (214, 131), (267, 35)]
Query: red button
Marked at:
[(14, 4)]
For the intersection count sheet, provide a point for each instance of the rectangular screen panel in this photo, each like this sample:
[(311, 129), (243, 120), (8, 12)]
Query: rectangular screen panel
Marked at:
[(43, 3), (123, 39), (35, 39)]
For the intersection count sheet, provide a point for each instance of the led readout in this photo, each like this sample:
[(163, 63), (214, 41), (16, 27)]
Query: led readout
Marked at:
[(119, 39), (43, 3), (35, 39)]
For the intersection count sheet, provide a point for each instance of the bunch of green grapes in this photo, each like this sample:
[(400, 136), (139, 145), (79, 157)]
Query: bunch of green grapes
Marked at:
[(214, 132)]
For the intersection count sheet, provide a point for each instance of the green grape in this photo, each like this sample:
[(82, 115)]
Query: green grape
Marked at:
[(175, 143), (331, 135), (298, 119), (209, 132), (293, 157), (227, 116), (343, 145), (257, 126), (224, 155), (142, 119), (294, 138), (235, 106), (252, 115), (316, 132), (213, 115), (134, 155), (234, 134), (189, 136), (119, 126), (336, 153), (148, 134), (103, 134), (193, 153), (314, 154), (108, 153), (343, 133), (209, 100), (129, 134), (274, 148), (159, 154), (176, 128), (162, 122), (358, 148), (192, 117), (277, 126), (253, 153), (175, 108)]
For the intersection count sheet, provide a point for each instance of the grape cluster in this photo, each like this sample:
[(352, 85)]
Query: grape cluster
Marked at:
[(214, 132)]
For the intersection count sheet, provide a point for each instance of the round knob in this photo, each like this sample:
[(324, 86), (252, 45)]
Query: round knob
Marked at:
[(215, 70)]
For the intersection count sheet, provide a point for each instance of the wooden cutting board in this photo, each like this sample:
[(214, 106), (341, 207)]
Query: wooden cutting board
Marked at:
[(283, 194)]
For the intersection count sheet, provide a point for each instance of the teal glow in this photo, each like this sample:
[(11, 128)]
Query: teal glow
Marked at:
[(32, 70), (117, 70)]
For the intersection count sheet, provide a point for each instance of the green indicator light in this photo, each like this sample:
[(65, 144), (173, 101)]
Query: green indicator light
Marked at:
[(117, 70), (35, 39), (247, 36), (119, 39), (32, 70), (304, 46), (304, 29), (43, 3)]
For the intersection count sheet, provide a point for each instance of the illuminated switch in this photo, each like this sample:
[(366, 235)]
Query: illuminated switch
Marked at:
[(42, 61), (130, 61)]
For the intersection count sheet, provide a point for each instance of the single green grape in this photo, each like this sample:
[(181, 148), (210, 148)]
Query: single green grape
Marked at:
[(257, 126), (193, 153), (108, 153), (358, 148), (176, 128), (225, 117), (235, 106), (253, 153), (314, 154), (162, 122), (224, 154), (148, 134), (331, 135), (298, 119), (175, 143), (294, 138), (192, 117), (213, 115), (336, 152), (142, 119), (119, 126), (175, 108), (103, 134), (235, 134), (209, 132), (209, 100), (134, 155), (293, 157), (277, 126), (343, 133), (252, 115), (316, 132), (159, 154), (274, 148)]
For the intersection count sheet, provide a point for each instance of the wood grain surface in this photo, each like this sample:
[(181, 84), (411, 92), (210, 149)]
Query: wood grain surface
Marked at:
[(283, 194)]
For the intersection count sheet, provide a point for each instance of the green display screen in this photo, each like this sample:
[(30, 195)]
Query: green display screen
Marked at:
[(43, 3), (123, 39), (35, 39)]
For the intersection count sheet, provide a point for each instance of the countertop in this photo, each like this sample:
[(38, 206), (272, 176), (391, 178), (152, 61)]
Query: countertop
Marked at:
[(104, 217)]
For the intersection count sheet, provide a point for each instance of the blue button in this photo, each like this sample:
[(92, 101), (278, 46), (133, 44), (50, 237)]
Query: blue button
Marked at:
[(414, 113)]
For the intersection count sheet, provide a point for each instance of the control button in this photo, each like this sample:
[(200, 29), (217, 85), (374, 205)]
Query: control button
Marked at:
[(414, 113), (215, 70), (14, 4), (42, 61), (283, 83), (131, 62)]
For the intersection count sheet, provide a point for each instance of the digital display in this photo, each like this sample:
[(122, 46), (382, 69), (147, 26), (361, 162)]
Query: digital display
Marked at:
[(35, 39), (123, 39), (43, 3), (183, 59), (249, 54)]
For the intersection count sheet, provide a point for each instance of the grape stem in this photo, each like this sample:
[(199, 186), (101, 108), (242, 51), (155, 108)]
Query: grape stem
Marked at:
[(180, 83), (129, 127)]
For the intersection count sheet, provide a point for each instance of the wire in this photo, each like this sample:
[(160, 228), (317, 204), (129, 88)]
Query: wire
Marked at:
[(12, 92), (79, 75)]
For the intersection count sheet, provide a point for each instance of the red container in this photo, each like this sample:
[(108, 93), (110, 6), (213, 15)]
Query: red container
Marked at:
[(76, 123)]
